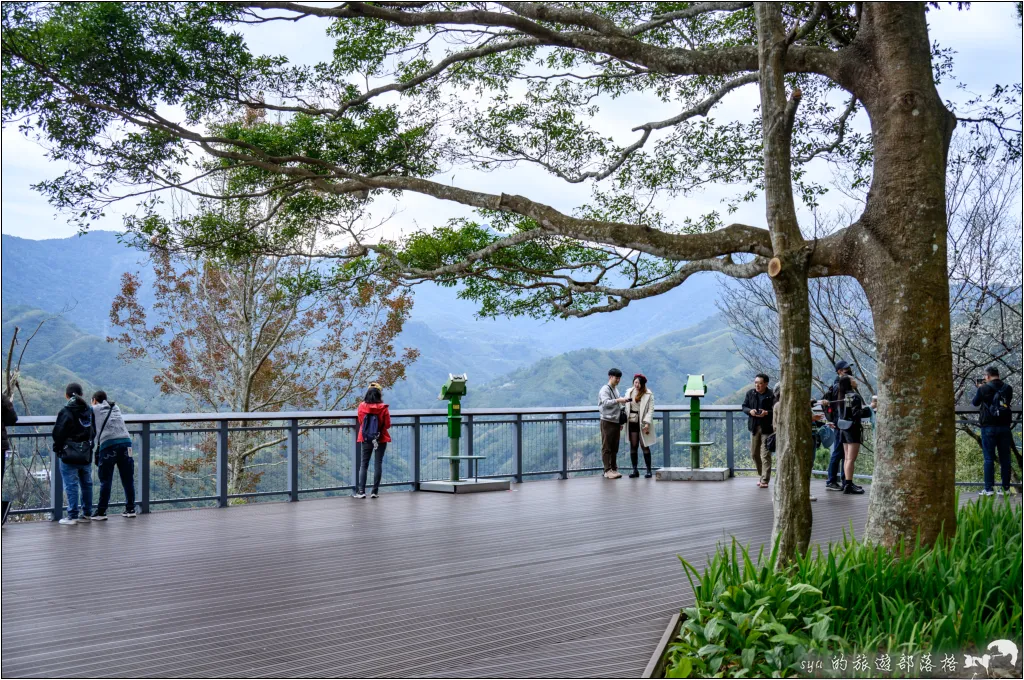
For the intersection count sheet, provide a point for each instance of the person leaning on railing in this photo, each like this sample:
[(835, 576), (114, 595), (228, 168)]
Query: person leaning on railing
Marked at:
[(73, 436), (113, 449)]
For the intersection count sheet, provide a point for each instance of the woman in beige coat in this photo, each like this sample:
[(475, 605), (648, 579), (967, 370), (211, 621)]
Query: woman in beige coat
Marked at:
[(640, 421)]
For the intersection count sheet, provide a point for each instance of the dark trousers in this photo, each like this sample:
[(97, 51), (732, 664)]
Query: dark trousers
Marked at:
[(364, 465), (610, 432), (996, 441), (120, 457), (835, 463), (635, 444)]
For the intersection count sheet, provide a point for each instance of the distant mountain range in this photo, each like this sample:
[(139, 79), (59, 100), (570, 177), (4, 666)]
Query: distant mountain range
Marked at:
[(513, 362)]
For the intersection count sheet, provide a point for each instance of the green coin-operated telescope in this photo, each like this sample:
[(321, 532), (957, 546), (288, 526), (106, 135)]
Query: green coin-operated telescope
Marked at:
[(695, 390), (453, 391)]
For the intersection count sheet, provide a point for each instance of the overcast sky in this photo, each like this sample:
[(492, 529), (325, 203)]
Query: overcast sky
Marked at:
[(987, 40)]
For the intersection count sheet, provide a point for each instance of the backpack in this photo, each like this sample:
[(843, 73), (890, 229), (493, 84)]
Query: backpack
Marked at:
[(371, 427), (999, 407), (79, 453)]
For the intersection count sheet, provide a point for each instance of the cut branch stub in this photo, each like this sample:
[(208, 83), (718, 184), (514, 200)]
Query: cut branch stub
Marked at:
[(774, 267)]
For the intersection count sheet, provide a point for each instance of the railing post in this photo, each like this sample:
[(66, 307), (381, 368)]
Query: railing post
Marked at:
[(358, 453), (56, 488), (519, 448), (472, 472), (144, 445), (416, 453), (222, 464), (666, 439), (563, 443), (293, 459), (730, 453)]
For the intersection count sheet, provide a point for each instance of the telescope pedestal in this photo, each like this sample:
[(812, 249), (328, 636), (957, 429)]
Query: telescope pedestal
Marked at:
[(467, 485), (685, 474)]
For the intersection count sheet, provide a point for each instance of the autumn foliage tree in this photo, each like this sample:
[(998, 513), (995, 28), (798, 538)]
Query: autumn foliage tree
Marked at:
[(241, 336)]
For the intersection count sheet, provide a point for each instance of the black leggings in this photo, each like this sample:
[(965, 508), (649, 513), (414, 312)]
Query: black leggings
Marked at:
[(634, 445), (364, 465)]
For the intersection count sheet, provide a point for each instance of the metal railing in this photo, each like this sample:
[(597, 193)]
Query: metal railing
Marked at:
[(186, 460)]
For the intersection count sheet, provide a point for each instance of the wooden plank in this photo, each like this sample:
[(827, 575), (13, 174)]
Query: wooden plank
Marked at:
[(563, 578)]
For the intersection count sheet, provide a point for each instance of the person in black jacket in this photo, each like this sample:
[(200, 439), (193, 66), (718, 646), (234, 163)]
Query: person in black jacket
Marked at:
[(758, 405), (993, 400), (75, 425), (834, 480), (10, 417), (849, 410)]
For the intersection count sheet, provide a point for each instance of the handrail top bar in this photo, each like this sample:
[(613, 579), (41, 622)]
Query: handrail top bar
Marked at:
[(136, 418)]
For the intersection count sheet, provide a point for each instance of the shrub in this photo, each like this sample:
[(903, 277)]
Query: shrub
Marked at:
[(752, 619)]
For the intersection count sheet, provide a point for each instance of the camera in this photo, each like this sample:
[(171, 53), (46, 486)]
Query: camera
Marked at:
[(978, 382)]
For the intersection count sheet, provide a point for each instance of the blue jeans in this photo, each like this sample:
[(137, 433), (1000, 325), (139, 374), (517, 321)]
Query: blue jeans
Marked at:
[(120, 457), (996, 440), (75, 476), (835, 463)]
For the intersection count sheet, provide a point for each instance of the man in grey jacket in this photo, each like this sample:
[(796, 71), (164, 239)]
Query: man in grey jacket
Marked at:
[(114, 446), (610, 405)]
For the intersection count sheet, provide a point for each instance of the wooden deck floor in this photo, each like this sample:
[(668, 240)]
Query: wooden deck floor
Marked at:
[(573, 578)]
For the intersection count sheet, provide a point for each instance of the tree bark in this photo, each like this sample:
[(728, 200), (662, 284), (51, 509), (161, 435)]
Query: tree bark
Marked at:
[(791, 525), (900, 259)]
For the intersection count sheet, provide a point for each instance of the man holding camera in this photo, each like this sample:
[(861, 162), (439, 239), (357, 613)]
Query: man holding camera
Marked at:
[(758, 405), (993, 400), (835, 481)]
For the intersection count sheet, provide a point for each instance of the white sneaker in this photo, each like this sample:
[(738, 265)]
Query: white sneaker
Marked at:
[(606, 474), (128, 513), (814, 498), (359, 495), (614, 474), (67, 521), (374, 495), (1000, 492), (986, 493), (84, 519)]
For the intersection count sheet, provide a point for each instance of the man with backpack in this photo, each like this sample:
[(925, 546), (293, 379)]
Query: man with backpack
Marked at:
[(73, 436), (993, 400), (373, 421), (113, 449)]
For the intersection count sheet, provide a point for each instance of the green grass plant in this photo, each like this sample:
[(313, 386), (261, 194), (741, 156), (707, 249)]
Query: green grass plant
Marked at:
[(752, 619)]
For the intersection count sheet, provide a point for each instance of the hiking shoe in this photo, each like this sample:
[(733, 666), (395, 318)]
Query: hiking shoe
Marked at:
[(84, 519), (68, 521), (634, 474), (359, 495), (852, 488), (986, 492), (99, 516), (833, 486), (128, 513), (374, 495)]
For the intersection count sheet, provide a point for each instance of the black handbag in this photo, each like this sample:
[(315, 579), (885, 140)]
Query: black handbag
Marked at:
[(77, 453), (622, 416)]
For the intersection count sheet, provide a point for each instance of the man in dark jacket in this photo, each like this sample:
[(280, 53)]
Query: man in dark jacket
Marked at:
[(75, 425), (10, 417), (993, 400), (758, 405), (834, 480)]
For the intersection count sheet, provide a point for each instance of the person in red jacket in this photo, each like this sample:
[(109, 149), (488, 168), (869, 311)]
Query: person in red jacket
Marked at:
[(373, 421)]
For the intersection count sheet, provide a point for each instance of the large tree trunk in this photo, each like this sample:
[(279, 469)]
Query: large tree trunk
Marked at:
[(791, 499), (901, 263)]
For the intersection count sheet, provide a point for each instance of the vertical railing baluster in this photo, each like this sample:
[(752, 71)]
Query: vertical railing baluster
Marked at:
[(293, 459), (519, 447), (144, 462), (416, 453), (730, 454), (223, 472), (563, 443), (56, 488), (666, 439)]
